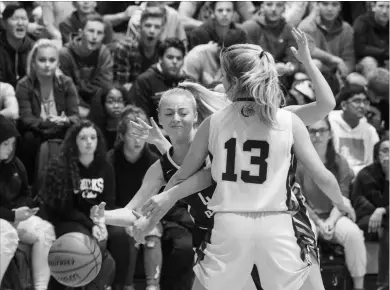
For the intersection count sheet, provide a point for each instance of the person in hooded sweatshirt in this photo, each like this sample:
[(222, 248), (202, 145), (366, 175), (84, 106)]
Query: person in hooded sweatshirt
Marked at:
[(76, 179), (216, 27), (166, 74), (72, 24), (14, 44), (18, 220), (353, 137), (87, 61), (371, 32)]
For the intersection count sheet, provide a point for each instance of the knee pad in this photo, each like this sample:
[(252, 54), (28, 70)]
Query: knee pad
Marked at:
[(9, 238)]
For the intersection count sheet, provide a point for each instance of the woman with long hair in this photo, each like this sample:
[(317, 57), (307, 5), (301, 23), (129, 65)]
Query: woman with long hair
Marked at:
[(75, 180), (48, 102), (18, 220), (331, 225), (251, 144)]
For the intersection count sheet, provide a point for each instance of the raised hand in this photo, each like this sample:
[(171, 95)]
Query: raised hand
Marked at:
[(304, 47), (142, 130)]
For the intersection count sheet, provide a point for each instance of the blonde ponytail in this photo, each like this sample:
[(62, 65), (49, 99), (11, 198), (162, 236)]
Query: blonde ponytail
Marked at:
[(257, 77)]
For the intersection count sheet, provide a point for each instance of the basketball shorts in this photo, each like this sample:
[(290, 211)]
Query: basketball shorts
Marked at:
[(240, 240)]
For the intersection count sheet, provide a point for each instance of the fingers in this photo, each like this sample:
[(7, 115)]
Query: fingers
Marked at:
[(102, 205), (137, 214), (154, 124), (145, 126), (148, 207)]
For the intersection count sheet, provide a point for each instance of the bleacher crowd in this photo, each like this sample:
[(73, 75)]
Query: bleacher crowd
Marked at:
[(66, 67)]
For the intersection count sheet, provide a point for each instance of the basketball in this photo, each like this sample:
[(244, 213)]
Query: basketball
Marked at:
[(75, 259)]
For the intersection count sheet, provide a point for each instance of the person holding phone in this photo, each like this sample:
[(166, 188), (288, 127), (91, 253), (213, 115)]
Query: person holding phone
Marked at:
[(18, 220)]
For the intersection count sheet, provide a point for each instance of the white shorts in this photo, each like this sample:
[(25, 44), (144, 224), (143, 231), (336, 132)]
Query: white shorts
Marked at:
[(240, 240)]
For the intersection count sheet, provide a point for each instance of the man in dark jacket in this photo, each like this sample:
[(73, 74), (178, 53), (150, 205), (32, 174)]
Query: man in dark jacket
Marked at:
[(216, 28), (372, 33), (166, 74), (14, 44)]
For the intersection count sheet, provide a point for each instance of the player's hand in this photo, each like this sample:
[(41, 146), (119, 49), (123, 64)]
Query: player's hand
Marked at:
[(157, 206), (346, 208), (99, 232), (23, 213), (141, 228), (304, 47), (97, 213), (142, 130)]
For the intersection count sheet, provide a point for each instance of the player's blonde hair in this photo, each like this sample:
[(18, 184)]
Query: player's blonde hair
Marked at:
[(257, 78), (205, 102)]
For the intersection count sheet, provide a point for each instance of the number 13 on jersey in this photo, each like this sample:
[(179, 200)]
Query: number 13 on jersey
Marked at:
[(231, 147)]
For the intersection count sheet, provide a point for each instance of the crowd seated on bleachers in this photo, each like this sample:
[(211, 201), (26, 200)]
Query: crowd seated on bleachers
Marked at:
[(67, 67)]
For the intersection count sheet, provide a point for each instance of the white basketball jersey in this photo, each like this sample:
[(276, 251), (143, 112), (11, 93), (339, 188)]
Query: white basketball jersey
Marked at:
[(250, 161)]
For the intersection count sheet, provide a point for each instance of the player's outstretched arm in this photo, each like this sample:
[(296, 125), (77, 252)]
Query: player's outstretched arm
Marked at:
[(157, 206), (325, 100), (307, 155), (152, 183), (195, 157)]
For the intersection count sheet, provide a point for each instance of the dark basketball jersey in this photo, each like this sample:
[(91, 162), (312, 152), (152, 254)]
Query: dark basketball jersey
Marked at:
[(197, 202)]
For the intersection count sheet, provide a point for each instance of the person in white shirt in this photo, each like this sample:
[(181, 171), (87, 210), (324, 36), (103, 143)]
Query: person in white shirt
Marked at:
[(353, 137)]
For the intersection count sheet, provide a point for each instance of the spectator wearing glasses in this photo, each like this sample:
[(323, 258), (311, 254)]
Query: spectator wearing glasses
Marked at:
[(353, 137), (370, 198), (331, 224)]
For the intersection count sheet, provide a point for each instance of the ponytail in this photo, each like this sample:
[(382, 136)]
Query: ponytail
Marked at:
[(257, 77)]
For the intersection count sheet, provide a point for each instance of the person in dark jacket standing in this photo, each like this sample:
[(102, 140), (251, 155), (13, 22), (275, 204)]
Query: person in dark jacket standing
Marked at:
[(18, 221), (78, 178), (370, 198), (14, 44)]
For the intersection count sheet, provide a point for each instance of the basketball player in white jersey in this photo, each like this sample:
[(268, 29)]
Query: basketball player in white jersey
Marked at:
[(251, 142), (308, 113)]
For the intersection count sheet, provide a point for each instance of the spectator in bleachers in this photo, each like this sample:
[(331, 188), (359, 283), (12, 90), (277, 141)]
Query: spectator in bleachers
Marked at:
[(72, 25), (353, 137), (333, 37), (48, 102), (9, 107), (217, 26), (112, 103), (75, 180), (132, 157), (14, 44), (372, 34), (132, 56), (370, 198), (17, 212), (269, 29), (118, 15), (172, 28), (201, 10), (378, 87), (166, 74), (88, 61), (332, 226), (202, 63)]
